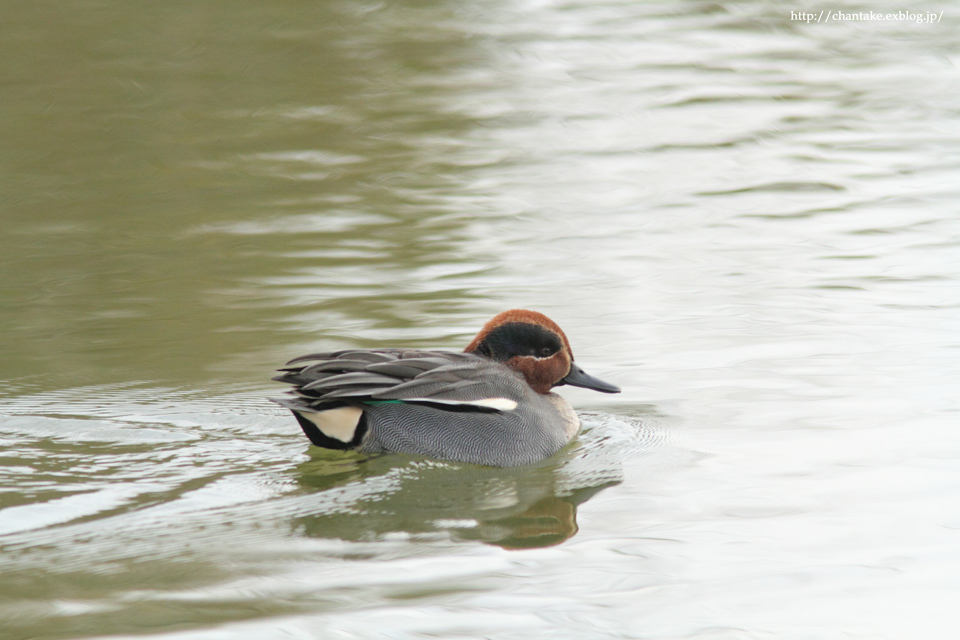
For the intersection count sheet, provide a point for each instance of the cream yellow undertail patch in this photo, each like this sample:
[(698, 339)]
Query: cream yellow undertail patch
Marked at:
[(339, 424)]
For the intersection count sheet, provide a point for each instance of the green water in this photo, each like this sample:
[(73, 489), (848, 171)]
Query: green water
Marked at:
[(747, 222)]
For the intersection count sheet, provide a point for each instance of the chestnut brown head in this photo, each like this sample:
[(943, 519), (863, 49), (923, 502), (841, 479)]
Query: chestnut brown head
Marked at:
[(533, 345)]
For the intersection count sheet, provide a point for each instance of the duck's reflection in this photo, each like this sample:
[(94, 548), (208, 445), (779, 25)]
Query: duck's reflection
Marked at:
[(366, 498), (547, 522)]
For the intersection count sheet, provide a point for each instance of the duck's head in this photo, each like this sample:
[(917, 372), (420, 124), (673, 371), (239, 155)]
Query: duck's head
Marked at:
[(533, 344)]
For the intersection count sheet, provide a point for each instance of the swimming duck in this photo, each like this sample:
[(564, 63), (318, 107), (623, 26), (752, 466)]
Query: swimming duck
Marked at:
[(490, 405)]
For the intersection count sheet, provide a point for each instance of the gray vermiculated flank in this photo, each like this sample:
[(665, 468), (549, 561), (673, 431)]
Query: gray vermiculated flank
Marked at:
[(506, 439)]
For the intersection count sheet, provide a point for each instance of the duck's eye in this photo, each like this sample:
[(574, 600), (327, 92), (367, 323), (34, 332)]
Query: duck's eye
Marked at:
[(545, 351)]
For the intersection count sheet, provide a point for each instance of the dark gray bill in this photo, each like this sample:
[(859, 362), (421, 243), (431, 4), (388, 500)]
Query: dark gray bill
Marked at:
[(580, 378)]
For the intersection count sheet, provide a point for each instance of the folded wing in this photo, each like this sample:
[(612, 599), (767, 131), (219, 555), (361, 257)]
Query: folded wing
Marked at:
[(450, 380)]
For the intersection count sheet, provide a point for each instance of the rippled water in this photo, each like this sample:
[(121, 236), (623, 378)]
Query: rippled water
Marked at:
[(748, 222)]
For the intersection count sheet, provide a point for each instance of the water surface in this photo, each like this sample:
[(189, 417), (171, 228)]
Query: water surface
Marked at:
[(747, 222)]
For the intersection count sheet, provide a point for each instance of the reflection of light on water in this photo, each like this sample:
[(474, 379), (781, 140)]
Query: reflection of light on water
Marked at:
[(747, 222), (514, 508)]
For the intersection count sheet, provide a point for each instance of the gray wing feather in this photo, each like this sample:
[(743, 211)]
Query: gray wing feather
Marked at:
[(408, 367), (352, 379), (430, 388), (400, 374), (340, 365), (382, 355)]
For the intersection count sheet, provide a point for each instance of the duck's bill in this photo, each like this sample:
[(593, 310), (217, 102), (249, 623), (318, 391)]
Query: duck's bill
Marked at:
[(580, 378)]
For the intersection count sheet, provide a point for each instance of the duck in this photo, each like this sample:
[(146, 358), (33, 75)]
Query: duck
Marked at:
[(492, 404)]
